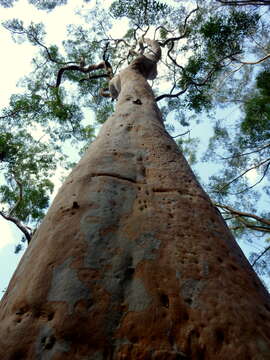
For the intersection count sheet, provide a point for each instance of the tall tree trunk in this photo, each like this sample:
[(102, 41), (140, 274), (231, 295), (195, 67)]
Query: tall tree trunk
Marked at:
[(132, 260)]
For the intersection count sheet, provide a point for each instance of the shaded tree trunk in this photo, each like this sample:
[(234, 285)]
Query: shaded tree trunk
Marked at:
[(132, 260)]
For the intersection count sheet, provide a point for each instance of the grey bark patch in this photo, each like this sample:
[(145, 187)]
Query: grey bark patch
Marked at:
[(137, 297), (115, 201), (47, 345), (147, 244), (190, 290), (66, 286)]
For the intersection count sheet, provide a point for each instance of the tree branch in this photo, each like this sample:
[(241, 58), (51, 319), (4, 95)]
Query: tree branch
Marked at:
[(85, 70), (261, 254), (245, 2), (247, 153), (23, 228), (171, 95), (261, 179), (243, 173), (184, 32), (35, 38), (20, 195), (186, 132), (244, 214), (251, 62)]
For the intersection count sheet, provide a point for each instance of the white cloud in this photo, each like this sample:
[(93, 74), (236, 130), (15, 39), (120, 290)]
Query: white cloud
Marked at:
[(6, 235), (252, 175)]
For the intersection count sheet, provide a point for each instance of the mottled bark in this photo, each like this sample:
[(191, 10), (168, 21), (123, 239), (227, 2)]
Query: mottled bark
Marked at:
[(132, 260)]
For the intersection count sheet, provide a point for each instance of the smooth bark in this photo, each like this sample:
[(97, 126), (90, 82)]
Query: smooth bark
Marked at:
[(132, 260)]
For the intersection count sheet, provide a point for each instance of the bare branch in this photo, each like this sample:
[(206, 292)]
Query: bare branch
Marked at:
[(171, 95), (243, 214), (48, 52), (242, 174), (245, 2), (228, 75), (22, 227), (84, 70), (247, 153), (258, 182), (20, 195), (184, 32), (251, 62), (186, 132), (261, 255)]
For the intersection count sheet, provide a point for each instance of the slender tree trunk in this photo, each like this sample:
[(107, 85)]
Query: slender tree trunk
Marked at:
[(132, 260)]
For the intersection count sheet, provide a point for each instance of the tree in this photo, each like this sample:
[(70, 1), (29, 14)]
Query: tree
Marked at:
[(245, 150), (191, 85), (217, 41), (128, 260)]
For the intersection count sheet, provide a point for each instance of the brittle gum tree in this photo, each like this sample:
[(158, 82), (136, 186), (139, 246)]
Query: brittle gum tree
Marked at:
[(132, 260)]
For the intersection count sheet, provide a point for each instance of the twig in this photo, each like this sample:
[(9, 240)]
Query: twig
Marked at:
[(262, 254), (171, 95), (244, 154), (181, 134), (246, 171), (258, 182)]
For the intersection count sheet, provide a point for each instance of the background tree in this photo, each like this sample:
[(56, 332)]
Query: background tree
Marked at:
[(244, 148)]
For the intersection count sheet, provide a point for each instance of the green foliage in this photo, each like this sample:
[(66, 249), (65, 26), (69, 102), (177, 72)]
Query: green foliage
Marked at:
[(7, 3), (40, 4), (142, 12), (256, 123), (199, 100), (34, 33), (189, 148), (223, 33), (163, 33), (27, 166), (211, 42), (103, 112)]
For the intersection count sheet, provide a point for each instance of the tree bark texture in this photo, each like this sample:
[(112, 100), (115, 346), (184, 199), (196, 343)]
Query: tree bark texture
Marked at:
[(132, 260)]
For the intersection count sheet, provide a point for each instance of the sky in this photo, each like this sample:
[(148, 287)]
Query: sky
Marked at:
[(15, 62)]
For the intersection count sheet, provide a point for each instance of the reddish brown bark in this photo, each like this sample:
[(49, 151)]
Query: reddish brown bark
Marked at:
[(132, 260)]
